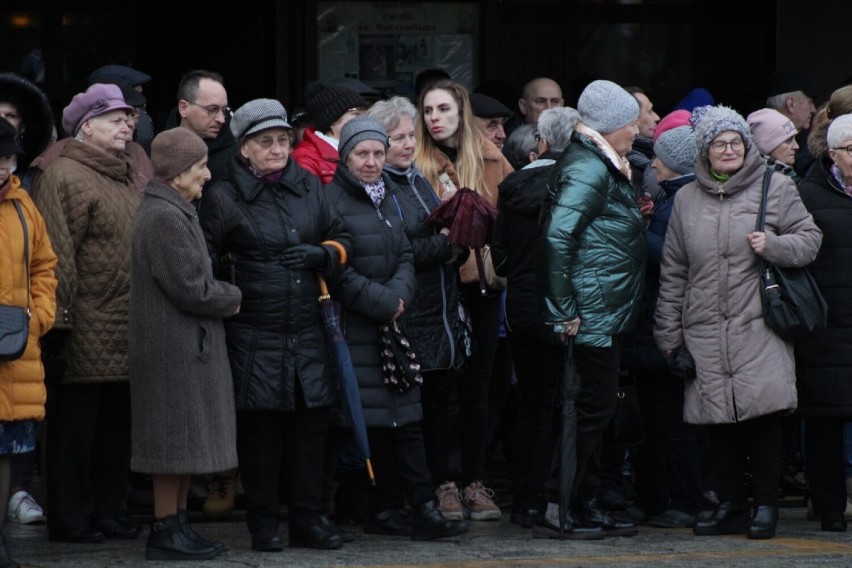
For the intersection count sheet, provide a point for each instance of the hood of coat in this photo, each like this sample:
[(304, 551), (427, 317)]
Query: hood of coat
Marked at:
[(524, 190), (752, 171), (670, 186)]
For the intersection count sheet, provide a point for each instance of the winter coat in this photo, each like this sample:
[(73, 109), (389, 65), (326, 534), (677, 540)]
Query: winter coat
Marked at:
[(431, 321), (181, 392), (88, 201), (709, 298), (380, 272), (515, 250), (22, 392), (278, 337), (317, 156), (593, 246), (824, 363)]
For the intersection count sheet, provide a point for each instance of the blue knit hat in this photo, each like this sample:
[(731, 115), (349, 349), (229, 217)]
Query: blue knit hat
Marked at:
[(606, 107), (710, 121)]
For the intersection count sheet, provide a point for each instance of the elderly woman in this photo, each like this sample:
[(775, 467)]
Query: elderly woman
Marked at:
[(709, 303), (181, 394), (593, 258), (775, 138), (88, 198), (825, 396), (264, 226), (377, 287), (522, 146), (27, 282)]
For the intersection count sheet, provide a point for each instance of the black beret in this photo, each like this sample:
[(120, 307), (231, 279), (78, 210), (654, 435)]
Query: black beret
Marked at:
[(484, 106)]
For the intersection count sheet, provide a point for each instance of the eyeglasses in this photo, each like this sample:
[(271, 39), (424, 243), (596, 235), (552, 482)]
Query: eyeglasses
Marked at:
[(266, 142), (213, 110), (847, 148), (721, 146)]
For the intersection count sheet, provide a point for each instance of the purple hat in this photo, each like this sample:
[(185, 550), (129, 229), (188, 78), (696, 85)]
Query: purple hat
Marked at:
[(97, 100)]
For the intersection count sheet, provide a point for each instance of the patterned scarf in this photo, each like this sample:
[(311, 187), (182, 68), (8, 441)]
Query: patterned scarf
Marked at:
[(841, 183), (376, 191)]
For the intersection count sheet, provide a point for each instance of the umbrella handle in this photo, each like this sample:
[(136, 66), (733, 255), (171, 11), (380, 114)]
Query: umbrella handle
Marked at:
[(370, 473), (341, 252)]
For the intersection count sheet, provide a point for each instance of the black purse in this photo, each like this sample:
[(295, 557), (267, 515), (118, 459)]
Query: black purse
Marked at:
[(15, 320), (793, 306), (400, 365)]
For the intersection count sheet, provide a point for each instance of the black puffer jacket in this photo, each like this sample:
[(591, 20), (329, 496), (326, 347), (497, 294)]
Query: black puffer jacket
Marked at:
[(824, 363), (432, 320), (379, 273), (278, 336)]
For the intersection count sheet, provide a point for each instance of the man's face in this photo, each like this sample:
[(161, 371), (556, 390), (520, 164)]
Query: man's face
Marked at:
[(648, 119), (493, 129), (206, 114), (801, 109), (539, 96)]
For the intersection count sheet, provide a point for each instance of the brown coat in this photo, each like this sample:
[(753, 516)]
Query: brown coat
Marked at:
[(709, 296)]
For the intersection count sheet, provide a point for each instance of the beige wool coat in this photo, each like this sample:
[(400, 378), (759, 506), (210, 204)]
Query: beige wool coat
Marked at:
[(709, 297)]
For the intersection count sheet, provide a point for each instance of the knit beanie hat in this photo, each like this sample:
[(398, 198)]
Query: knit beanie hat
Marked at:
[(606, 107), (357, 130), (672, 120), (769, 128), (327, 104), (676, 149), (174, 151), (710, 121)]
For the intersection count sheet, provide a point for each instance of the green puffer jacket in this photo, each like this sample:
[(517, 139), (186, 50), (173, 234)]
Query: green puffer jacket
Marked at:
[(593, 245)]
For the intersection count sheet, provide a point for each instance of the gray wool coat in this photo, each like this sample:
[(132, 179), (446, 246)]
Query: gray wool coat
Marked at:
[(181, 391), (709, 297)]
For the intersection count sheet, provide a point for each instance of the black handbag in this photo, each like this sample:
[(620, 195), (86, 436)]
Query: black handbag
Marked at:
[(793, 306), (15, 320), (400, 365)]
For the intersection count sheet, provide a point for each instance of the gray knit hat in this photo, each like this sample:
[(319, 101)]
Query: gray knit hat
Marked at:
[(710, 121), (175, 150), (606, 107), (357, 130), (258, 115), (676, 149)]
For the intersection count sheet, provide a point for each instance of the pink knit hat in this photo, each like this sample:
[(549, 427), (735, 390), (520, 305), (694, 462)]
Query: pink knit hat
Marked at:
[(672, 120), (769, 128)]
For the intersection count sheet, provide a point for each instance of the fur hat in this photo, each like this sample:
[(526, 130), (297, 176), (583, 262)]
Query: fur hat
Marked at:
[(676, 149), (327, 104), (98, 99), (357, 130), (606, 107), (8, 139), (769, 128), (258, 115), (175, 150), (710, 121), (34, 108)]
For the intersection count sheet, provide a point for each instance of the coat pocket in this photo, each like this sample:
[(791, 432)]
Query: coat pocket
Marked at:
[(203, 342)]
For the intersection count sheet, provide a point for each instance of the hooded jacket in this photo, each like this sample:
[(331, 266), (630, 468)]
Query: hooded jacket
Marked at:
[(317, 156)]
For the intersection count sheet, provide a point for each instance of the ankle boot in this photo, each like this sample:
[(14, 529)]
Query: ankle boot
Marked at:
[(763, 523), (728, 518), (183, 517), (168, 540), (428, 524), (6, 560)]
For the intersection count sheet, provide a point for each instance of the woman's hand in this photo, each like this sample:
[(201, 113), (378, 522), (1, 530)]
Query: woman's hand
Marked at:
[(757, 240), (304, 257), (399, 311), (568, 329)]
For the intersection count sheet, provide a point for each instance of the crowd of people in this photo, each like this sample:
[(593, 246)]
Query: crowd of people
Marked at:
[(174, 281)]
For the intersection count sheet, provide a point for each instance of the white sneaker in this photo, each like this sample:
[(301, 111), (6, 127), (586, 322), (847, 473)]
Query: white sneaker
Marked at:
[(24, 510)]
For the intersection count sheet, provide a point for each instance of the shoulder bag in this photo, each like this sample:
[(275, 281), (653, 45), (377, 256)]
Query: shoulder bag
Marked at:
[(792, 304), (15, 320)]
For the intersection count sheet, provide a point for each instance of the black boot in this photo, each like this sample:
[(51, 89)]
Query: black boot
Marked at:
[(6, 560), (312, 534), (428, 524), (169, 541), (728, 518), (183, 517), (591, 515), (345, 535), (763, 523)]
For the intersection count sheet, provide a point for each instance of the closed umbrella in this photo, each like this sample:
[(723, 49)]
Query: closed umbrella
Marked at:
[(330, 312), (470, 219), (568, 435)]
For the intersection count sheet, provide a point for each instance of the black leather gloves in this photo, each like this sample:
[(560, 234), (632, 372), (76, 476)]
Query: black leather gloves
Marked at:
[(305, 257)]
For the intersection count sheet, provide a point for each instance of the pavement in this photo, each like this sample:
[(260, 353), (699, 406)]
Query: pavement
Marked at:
[(499, 544)]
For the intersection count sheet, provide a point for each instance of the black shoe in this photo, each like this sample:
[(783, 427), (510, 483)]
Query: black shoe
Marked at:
[(526, 518), (6, 560), (169, 541), (592, 516), (428, 524), (329, 525), (84, 535), (546, 529), (611, 499), (632, 514), (728, 518), (267, 543), (672, 519), (183, 517), (117, 528), (763, 523), (390, 522), (313, 535), (833, 522)]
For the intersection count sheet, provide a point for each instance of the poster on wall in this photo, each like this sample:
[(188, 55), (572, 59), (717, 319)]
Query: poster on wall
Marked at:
[(386, 44)]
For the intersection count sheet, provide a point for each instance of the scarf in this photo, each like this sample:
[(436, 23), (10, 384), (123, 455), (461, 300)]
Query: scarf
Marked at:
[(620, 163), (841, 183), (268, 178), (376, 191)]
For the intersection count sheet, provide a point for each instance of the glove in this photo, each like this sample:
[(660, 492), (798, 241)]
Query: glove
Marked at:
[(304, 257)]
